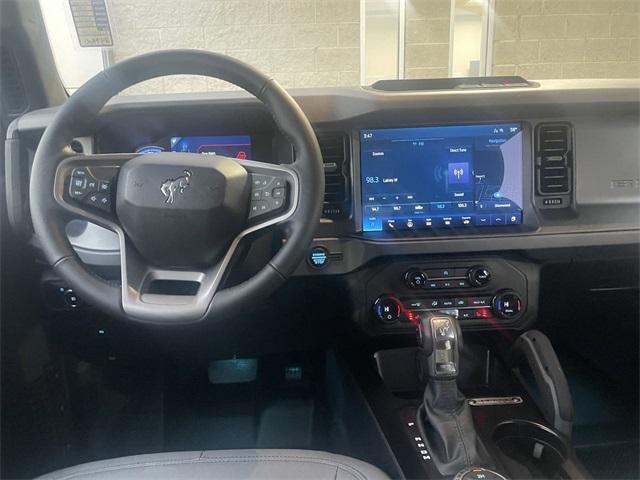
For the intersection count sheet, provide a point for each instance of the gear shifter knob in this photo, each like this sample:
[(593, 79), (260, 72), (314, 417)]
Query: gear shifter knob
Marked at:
[(444, 418), (441, 341)]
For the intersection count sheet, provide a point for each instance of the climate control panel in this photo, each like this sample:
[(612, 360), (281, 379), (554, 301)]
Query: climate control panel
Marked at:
[(506, 304), (442, 278), (480, 293)]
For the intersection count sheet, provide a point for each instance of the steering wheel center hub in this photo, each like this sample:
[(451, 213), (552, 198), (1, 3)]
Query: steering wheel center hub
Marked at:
[(182, 209)]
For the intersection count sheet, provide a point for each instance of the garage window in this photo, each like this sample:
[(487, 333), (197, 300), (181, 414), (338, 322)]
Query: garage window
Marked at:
[(331, 43)]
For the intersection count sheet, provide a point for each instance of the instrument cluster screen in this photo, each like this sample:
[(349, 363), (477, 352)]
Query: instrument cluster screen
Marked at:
[(235, 146), (441, 177)]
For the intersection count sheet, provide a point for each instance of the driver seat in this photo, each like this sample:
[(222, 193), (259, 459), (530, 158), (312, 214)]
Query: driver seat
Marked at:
[(225, 464)]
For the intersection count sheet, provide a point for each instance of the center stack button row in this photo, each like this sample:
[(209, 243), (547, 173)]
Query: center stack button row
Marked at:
[(460, 277), (433, 279), (437, 303)]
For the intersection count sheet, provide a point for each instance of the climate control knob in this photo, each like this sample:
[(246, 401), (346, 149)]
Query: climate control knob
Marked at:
[(507, 304), (479, 276), (387, 309), (415, 278)]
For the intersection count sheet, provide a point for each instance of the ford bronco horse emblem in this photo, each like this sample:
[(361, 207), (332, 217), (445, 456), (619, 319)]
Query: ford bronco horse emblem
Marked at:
[(172, 185)]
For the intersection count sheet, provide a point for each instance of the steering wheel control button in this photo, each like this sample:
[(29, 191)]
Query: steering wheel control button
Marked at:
[(92, 184), (318, 257), (99, 200), (80, 172), (479, 276), (77, 193), (268, 194), (260, 181), (415, 279), (507, 304), (105, 187), (258, 208), (79, 182), (387, 309)]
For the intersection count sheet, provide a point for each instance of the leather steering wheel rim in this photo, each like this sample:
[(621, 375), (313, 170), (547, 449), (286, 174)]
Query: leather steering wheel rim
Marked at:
[(80, 114)]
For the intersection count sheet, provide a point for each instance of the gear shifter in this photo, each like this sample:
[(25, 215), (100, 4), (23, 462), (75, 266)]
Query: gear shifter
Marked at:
[(444, 418), (440, 339)]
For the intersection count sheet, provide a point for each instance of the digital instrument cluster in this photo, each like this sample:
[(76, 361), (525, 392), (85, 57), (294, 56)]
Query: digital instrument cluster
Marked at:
[(234, 146)]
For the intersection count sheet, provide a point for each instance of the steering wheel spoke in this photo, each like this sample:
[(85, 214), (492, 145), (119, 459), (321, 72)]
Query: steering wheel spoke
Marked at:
[(166, 295), (85, 186)]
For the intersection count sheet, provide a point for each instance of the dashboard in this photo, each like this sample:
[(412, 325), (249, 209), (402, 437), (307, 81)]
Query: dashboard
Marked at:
[(462, 181)]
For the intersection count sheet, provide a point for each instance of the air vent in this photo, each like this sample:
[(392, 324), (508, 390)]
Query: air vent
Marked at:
[(14, 98), (335, 155), (554, 158)]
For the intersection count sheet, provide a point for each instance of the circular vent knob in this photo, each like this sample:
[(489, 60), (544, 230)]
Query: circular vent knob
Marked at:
[(507, 304), (479, 276)]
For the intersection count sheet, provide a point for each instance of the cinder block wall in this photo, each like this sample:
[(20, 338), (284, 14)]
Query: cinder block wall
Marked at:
[(567, 38), (302, 43), (309, 43), (427, 38)]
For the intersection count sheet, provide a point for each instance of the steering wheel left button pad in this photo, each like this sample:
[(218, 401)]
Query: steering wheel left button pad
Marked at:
[(92, 186), (268, 194)]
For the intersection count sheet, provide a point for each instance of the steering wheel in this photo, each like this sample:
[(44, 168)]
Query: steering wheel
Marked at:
[(179, 217)]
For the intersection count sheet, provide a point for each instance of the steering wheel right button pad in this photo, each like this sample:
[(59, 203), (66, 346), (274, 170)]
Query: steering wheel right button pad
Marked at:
[(269, 195)]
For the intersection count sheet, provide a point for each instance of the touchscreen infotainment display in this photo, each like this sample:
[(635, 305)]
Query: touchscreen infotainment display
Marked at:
[(441, 177)]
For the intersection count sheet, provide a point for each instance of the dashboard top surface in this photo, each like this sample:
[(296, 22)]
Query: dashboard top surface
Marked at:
[(329, 105)]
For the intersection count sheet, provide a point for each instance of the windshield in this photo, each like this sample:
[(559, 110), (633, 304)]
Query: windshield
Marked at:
[(331, 43)]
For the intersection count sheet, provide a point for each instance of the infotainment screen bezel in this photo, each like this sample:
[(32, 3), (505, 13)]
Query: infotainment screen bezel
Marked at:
[(530, 222)]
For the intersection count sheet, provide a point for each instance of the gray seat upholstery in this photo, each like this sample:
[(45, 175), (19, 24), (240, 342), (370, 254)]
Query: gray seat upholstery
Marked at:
[(227, 465)]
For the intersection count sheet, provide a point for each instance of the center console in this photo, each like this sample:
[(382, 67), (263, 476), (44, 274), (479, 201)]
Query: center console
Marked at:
[(476, 410)]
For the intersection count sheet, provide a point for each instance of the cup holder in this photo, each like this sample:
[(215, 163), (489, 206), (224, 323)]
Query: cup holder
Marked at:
[(533, 446)]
